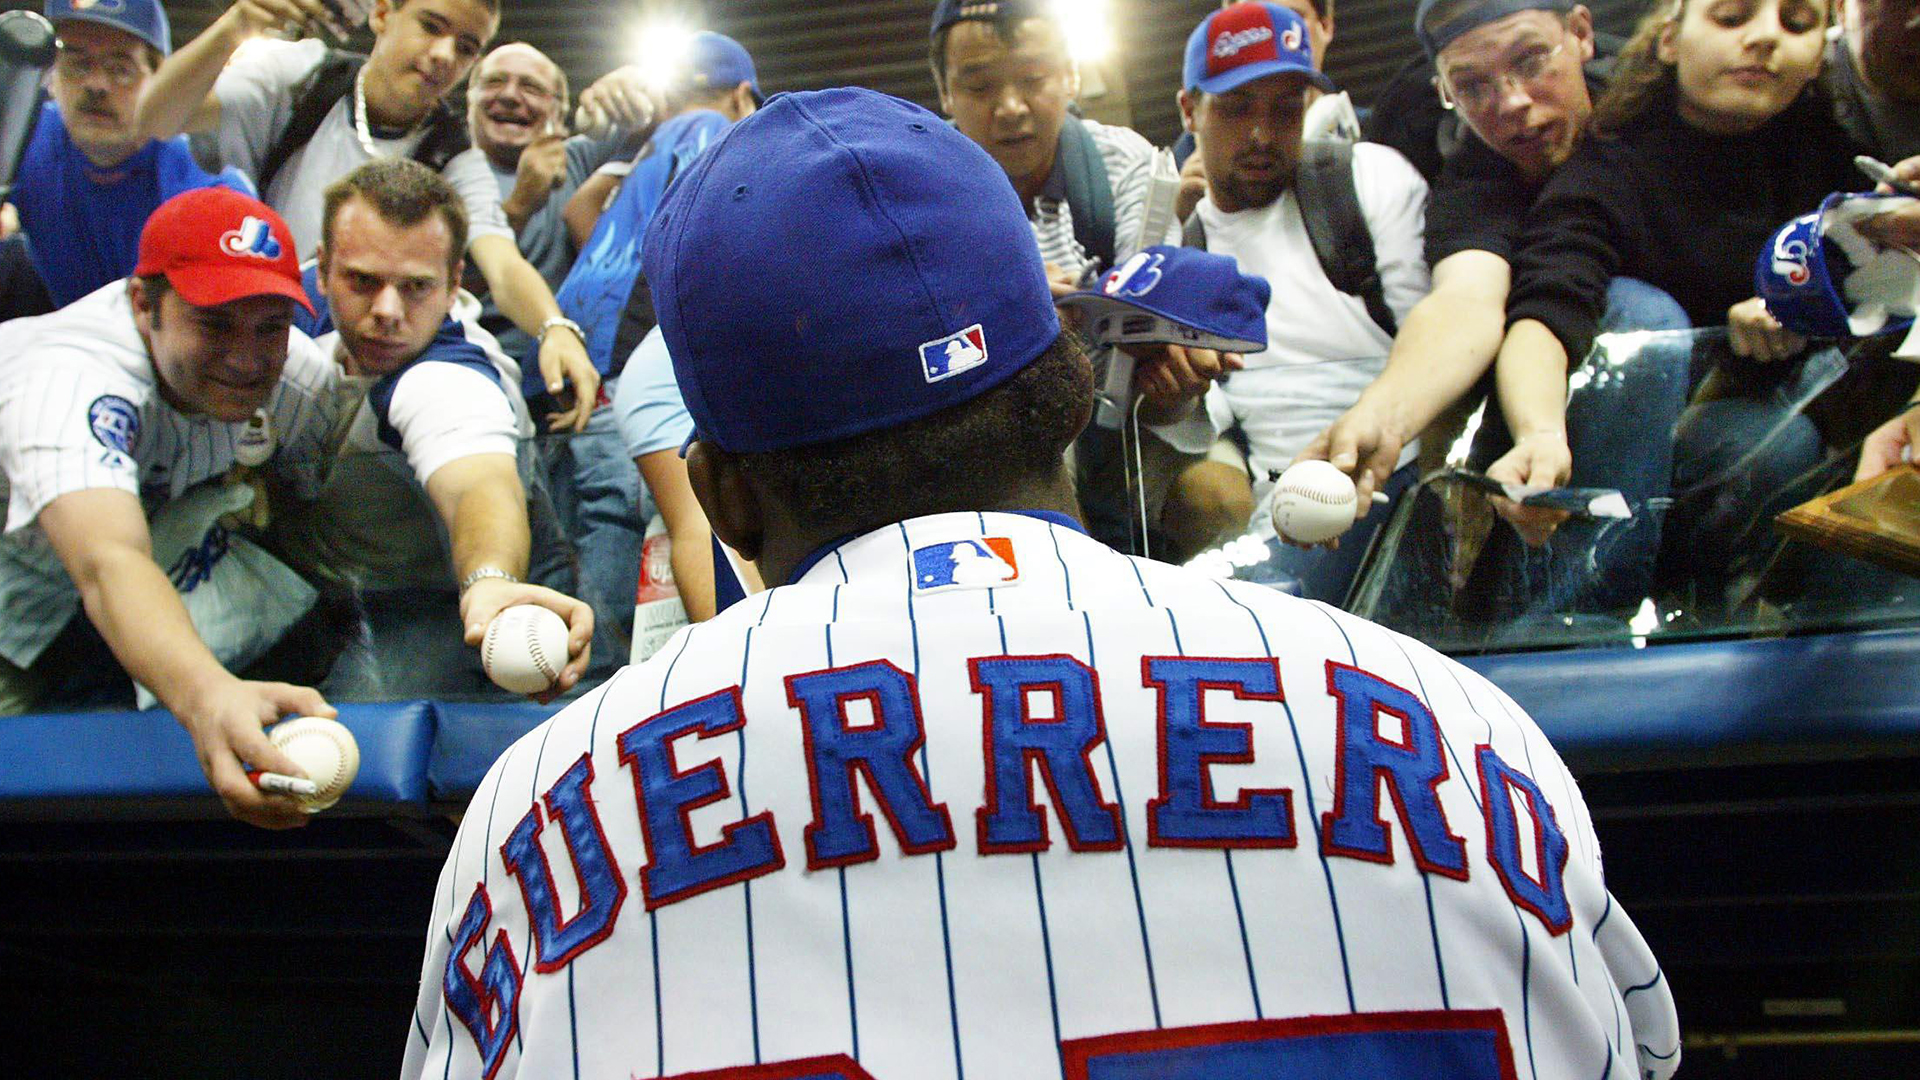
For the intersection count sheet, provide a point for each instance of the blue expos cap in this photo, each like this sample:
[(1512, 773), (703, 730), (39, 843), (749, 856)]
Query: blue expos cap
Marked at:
[(1178, 296), (838, 263), (1243, 42), (144, 19)]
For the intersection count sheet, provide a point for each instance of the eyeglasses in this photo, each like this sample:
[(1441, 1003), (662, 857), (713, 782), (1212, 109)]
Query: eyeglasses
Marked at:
[(77, 67), (532, 91), (1475, 92)]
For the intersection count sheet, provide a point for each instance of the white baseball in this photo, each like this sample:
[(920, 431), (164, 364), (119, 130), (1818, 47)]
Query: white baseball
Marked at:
[(1313, 502), (525, 648), (324, 749)]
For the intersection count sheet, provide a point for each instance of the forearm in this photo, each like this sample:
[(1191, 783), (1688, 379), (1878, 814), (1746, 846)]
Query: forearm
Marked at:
[(693, 569), (138, 613), (1531, 378), (518, 289), (177, 98), (1443, 348), (485, 511)]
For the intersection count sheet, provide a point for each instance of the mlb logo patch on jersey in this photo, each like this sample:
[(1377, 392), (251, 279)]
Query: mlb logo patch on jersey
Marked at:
[(965, 564), (946, 357)]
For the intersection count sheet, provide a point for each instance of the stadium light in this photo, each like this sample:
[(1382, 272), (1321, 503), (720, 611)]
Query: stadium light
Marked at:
[(660, 48), (1089, 28)]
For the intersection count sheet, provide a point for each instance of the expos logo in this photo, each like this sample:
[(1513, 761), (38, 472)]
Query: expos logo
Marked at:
[(254, 237), (1135, 277), (1792, 256), (1231, 43)]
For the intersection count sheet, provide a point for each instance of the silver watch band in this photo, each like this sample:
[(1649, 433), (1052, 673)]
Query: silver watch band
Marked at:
[(483, 573)]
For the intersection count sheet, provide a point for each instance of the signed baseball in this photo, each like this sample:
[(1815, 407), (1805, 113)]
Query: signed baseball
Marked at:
[(1313, 502), (324, 749), (525, 648)]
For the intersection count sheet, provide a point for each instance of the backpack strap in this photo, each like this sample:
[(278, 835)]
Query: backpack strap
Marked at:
[(331, 81), (1193, 234), (1089, 192), (1330, 206)]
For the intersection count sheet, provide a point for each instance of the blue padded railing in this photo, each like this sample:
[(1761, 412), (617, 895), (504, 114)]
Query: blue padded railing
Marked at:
[(1836, 695)]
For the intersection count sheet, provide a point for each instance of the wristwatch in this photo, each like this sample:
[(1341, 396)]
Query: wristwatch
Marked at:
[(563, 321), (483, 573)]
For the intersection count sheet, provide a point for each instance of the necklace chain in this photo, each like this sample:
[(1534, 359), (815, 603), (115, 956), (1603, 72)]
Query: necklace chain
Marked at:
[(361, 129)]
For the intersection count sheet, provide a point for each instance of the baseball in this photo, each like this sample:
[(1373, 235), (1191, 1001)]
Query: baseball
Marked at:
[(325, 751), (525, 648), (1313, 502)]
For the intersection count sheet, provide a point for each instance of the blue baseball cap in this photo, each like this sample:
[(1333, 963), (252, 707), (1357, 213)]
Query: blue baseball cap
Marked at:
[(717, 62), (841, 262), (144, 19), (1797, 273), (1435, 34), (1244, 42), (1177, 296), (948, 12)]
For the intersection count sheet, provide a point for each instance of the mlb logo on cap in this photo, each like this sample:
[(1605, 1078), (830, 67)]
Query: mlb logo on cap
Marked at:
[(966, 564), (1248, 41), (943, 358)]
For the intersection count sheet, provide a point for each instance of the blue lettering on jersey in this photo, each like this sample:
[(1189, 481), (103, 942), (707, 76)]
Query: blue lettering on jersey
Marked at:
[(826, 1067), (114, 422), (1546, 896), (1186, 813), (677, 867), (488, 1006), (1061, 744), (882, 751), (1412, 769), (602, 889)]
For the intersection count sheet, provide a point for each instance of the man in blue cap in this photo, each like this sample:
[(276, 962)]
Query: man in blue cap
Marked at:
[(807, 840), (89, 179), (1248, 75)]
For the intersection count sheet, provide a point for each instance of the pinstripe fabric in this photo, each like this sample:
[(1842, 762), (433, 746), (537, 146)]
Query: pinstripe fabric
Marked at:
[(954, 962), (68, 382)]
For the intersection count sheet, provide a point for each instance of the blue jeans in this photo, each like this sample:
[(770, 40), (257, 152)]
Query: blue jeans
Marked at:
[(1322, 573), (604, 509)]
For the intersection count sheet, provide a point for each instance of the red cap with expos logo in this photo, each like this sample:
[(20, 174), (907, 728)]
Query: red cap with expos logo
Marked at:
[(217, 245)]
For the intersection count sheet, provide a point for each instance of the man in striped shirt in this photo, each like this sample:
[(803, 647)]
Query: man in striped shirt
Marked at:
[(115, 406)]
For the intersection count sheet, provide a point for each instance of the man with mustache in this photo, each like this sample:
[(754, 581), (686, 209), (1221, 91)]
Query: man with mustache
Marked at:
[(88, 179), (1248, 73), (390, 105)]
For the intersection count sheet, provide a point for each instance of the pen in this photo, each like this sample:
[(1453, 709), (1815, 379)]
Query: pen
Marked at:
[(1882, 173)]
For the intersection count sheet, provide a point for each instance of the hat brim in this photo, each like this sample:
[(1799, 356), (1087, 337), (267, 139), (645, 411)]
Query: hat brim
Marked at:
[(1235, 78), (211, 287), (1125, 325)]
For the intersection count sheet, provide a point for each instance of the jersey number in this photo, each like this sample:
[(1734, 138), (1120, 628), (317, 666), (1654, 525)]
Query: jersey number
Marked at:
[(1456, 1045)]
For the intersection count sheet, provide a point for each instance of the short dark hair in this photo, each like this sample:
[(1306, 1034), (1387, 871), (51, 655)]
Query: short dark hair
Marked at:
[(965, 457), (403, 192), (492, 6), (1006, 23)]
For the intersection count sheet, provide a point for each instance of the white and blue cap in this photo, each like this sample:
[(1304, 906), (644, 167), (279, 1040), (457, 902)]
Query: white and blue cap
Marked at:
[(144, 19), (841, 262), (1821, 278), (1177, 296), (1248, 41)]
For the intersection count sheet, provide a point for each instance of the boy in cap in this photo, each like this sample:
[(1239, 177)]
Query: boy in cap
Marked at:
[(119, 404), (806, 839)]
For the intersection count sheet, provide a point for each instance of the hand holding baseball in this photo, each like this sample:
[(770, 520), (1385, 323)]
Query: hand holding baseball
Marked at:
[(1313, 503), (226, 724), (488, 600)]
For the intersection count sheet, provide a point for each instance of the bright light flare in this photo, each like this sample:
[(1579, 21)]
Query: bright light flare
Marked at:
[(661, 48), (1088, 26)]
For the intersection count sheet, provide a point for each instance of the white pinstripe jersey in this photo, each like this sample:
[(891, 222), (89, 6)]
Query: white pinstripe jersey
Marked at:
[(79, 410), (1259, 848)]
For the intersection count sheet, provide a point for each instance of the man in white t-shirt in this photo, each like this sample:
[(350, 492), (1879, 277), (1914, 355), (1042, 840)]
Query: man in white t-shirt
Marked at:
[(119, 404), (424, 485), (1247, 75), (391, 106)]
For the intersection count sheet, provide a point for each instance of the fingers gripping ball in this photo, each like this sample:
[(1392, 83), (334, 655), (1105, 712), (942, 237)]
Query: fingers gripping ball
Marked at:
[(325, 751), (1313, 502), (525, 648)]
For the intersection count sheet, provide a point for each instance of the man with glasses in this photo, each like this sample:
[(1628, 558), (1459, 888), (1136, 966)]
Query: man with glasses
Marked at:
[(89, 180), (1514, 74)]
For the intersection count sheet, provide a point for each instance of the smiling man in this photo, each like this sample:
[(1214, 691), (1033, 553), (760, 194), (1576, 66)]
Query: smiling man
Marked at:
[(296, 116), (89, 179), (111, 409)]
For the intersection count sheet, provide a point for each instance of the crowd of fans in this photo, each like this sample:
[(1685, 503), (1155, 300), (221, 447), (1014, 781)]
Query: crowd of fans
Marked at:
[(476, 408)]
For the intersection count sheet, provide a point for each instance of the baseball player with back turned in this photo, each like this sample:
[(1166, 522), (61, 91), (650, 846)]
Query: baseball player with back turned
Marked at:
[(1086, 816)]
